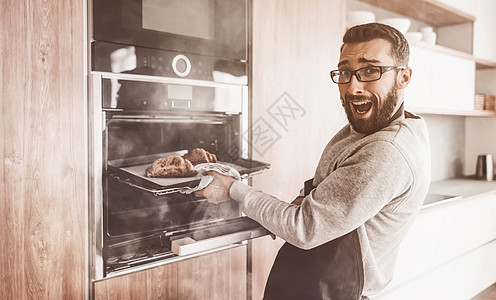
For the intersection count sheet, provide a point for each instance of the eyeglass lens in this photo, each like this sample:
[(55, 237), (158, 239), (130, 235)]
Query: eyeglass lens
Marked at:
[(364, 74)]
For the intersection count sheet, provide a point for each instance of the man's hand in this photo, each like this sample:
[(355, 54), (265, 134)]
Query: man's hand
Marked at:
[(218, 190)]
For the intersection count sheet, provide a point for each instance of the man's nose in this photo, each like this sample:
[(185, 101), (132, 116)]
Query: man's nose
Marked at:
[(355, 86)]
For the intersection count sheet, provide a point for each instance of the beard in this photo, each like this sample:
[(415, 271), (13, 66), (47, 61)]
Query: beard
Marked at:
[(381, 116)]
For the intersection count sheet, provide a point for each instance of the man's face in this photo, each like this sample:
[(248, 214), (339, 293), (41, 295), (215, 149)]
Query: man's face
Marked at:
[(368, 105)]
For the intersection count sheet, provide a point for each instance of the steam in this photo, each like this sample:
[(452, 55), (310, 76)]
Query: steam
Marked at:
[(122, 59)]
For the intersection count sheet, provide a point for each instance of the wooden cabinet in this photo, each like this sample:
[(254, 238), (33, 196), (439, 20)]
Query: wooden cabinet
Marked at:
[(294, 102), (434, 12), (220, 275), (43, 151), (449, 253)]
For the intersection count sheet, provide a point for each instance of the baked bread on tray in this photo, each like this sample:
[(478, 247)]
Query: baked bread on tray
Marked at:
[(180, 166), (172, 166), (200, 156)]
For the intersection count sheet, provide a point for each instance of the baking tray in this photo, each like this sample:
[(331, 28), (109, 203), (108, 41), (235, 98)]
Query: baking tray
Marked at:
[(136, 168)]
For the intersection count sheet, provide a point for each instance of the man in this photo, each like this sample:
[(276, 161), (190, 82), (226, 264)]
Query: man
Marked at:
[(342, 238)]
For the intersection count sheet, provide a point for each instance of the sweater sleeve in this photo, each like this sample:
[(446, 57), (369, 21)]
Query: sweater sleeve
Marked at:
[(358, 189)]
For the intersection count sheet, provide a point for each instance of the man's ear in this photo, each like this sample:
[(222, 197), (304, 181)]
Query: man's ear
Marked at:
[(404, 77)]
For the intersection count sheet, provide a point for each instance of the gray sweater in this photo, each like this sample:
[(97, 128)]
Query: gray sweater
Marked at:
[(373, 183)]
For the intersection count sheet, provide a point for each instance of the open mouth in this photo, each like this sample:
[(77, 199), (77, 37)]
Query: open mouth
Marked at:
[(362, 107)]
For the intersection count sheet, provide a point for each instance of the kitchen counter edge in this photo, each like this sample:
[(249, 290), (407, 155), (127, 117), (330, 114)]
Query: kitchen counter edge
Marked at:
[(458, 189)]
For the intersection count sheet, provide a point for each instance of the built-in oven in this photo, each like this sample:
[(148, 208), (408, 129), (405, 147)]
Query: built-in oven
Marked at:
[(140, 221), (166, 77)]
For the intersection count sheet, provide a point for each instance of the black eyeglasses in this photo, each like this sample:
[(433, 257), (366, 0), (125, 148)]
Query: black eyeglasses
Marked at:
[(366, 74)]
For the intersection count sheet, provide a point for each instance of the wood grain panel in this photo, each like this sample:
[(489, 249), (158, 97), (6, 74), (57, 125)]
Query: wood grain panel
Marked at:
[(220, 276), (294, 46), (429, 11), (156, 283), (42, 127)]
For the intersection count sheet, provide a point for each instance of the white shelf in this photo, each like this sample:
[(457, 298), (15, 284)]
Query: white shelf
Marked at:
[(462, 113), (479, 63)]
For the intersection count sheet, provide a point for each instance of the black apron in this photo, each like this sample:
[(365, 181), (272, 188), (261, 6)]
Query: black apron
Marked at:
[(332, 271)]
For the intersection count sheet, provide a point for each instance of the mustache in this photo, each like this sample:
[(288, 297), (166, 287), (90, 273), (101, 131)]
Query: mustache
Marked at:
[(349, 97)]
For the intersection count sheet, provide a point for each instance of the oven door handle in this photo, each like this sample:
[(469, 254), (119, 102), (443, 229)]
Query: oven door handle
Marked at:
[(187, 245)]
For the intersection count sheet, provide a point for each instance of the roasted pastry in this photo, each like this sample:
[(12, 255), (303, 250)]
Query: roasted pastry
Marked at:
[(172, 166), (199, 156)]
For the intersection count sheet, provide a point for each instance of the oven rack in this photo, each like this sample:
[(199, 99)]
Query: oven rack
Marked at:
[(167, 191), (155, 192)]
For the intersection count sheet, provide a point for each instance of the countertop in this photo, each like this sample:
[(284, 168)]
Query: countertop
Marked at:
[(456, 189)]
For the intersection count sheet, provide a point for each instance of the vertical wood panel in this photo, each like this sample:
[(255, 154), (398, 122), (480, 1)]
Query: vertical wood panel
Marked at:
[(42, 128), (295, 44), (220, 276), (157, 283)]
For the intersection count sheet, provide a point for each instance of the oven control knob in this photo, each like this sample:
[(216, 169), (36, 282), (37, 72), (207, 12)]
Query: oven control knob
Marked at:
[(181, 65)]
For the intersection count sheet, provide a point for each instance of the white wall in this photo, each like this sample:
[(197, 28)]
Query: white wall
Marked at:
[(481, 132), (447, 139), (456, 141), (480, 139), (485, 81)]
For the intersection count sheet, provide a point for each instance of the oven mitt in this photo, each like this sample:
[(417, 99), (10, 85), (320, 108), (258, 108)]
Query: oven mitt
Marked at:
[(204, 181), (219, 168)]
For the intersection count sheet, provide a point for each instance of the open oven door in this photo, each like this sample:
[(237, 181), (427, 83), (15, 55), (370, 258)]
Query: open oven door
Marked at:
[(217, 237)]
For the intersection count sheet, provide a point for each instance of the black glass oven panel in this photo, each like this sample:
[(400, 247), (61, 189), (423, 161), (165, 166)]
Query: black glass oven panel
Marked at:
[(132, 141), (127, 139), (130, 210), (207, 27), (181, 99), (121, 58)]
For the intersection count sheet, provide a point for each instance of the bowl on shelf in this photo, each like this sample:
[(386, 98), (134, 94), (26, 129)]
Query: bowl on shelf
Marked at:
[(401, 24), (357, 17), (429, 38), (428, 35)]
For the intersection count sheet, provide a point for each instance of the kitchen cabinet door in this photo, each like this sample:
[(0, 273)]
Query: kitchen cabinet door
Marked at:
[(221, 276), (444, 238), (459, 279), (484, 33), (440, 81)]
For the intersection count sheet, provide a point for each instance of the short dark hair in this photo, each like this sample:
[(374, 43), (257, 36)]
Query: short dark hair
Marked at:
[(400, 50)]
